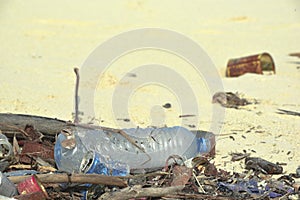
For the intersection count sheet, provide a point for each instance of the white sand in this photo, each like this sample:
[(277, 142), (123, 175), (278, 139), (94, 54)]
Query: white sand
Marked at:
[(42, 42)]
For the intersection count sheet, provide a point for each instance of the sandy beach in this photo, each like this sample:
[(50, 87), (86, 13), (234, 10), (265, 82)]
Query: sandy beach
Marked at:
[(41, 43)]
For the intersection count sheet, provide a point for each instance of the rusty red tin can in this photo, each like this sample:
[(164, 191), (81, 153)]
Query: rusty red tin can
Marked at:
[(258, 64), (32, 185)]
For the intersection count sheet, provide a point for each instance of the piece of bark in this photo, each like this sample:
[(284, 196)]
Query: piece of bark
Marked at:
[(137, 192), (74, 178)]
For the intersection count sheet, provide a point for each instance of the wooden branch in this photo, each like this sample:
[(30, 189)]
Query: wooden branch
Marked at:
[(137, 192), (45, 125), (74, 178)]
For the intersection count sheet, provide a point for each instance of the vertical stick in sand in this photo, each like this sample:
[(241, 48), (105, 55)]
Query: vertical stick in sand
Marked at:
[(76, 119)]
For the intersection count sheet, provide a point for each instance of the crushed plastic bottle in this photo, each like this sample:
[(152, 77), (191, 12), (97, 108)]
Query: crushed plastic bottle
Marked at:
[(157, 144), (69, 159), (78, 159)]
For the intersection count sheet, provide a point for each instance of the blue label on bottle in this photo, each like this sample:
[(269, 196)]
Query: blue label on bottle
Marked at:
[(203, 145)]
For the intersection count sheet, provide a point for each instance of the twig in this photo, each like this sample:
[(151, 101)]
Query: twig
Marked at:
[(76, 119), (288, 112), (137, 191), (181, 116), (74, 178), (200, 186)]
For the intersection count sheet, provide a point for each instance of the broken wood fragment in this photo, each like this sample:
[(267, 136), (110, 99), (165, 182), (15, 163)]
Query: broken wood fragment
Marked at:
[(137, 192), (74, 178)]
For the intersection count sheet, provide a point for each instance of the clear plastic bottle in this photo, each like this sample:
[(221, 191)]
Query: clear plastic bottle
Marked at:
[(157, 143)]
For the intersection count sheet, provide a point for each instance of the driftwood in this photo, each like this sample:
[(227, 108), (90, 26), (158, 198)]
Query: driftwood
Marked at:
[(74, 178), (137, 192), (11, 124)]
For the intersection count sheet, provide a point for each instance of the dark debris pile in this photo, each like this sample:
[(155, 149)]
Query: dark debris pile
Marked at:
[(33, 173)]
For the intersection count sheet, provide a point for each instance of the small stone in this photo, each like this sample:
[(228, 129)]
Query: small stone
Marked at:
[(167, 105), (298, 171)]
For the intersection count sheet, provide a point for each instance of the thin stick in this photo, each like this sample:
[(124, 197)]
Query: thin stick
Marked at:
[(76, 119), (200, 186), (74, 178), (137, 192)]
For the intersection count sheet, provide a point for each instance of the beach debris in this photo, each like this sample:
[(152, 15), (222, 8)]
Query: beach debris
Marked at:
[(288, 112), (3, 165), (124, 119), (137, 191), (32, 133), (167, 105), (239, 156), (76, 114), (191, 125), (197, 177), (32, 150), (295, 54), (32, 188), (7, 188), (258, 64), (254, 188), (187, 115), (6, 150), (181, 175), (298, 172), (229, 100), (139, 149), (261, 165)]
